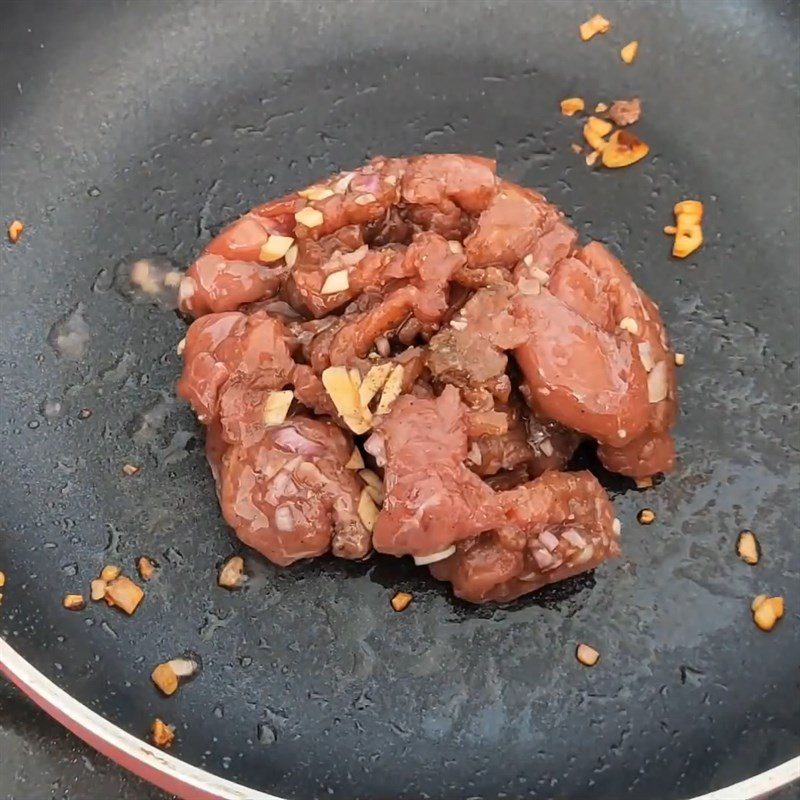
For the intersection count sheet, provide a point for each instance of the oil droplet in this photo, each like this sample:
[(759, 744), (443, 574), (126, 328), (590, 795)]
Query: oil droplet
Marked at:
[(33, 424), (174, 557), (51, 408), (149, 280), (109, 630), (103, 281), (69, 336), (177, 449), (144, 426), (120, 369), (266, 734)]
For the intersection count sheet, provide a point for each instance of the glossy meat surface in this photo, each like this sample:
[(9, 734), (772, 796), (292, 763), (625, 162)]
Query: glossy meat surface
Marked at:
[(558, 526), (432, 500), (289, 496), (449, 326)]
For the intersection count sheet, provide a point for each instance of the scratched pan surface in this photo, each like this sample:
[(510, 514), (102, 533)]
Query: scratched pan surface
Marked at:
[(136, 129)]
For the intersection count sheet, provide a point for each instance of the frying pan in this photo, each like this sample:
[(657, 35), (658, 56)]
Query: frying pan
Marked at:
[(136, 129)]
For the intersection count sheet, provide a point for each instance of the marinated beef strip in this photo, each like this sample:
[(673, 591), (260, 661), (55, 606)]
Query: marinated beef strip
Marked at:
[(528, 447), (598, 361), (471, 354), (430, 262), (284, 489), (431, 499), (652, 451), (557, 526), (580, 375), (290, 496), (515, 344), (509, 228)]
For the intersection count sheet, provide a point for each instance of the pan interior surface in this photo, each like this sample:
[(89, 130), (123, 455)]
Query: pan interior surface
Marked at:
[(137, 129)]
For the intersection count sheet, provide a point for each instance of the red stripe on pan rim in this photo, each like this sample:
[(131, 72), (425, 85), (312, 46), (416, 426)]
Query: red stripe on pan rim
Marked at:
[(190, 783)]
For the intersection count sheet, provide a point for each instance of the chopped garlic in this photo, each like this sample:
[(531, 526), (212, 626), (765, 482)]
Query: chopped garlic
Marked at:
[(646, 516), (367, 510), (657, 382), (165, 678), (373, 382), (572, 105), (757, 601), (275, 248), (336, 282), (355, 378), (316, 193), (629, 324), (74, 602), (338, 384), (748, 548), (371, 478), (628, 53), (391, 390), (98, 589), (588, 656), (145, 567), (356, 460), (231, 576), (310, 217), (646, 356), (688, 230), (593, 26), (624, 149), (162, 734), (124, 593), (374, 485), (365, 199), (276, 407), (15, 231), (401, 600), (595, 130), (767, 611), (110, 572)]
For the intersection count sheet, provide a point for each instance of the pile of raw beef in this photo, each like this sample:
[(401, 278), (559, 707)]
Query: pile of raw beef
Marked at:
[(403, 358)]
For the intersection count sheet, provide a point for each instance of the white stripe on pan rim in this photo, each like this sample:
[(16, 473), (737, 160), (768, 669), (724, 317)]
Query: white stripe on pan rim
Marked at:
[(191, 777)]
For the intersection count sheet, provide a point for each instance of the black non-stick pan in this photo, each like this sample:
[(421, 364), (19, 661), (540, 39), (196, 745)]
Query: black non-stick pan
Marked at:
[(139, 128)]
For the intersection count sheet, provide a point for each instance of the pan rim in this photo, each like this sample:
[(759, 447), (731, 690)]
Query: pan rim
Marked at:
[(192, 783)]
